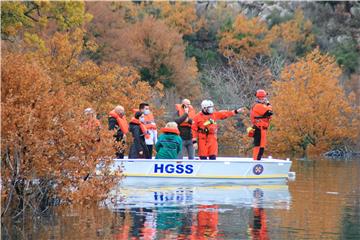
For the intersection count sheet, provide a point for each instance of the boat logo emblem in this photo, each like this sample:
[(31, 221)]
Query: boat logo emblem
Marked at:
[(258, 169)]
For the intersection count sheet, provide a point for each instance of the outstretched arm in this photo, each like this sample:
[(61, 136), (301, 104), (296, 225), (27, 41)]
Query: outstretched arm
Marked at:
[(225, 114)]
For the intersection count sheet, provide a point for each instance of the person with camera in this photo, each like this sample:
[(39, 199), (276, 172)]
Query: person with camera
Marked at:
[(184, 117)]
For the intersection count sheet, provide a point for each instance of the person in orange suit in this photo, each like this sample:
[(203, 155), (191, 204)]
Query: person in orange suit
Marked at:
[(260, 116), (204, 129)]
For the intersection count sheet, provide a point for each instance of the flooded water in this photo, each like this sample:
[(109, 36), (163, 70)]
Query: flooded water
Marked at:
[(323, 202)]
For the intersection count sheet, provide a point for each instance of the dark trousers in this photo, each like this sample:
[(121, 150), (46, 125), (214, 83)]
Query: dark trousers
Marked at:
[(150, 147), (211, 157)]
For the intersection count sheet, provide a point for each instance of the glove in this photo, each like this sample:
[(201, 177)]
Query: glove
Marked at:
[(250, 131)]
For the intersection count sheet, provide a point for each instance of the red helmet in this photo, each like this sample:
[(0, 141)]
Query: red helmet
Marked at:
[(260, 93)]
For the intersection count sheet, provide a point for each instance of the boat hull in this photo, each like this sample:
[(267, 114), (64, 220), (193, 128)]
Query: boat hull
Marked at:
[(244, 170)]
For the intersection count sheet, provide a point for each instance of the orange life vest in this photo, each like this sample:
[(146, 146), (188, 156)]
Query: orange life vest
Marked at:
[(170, 130), (142, 127), (149, 120), (181, 112), (121, 121), (257, 115)]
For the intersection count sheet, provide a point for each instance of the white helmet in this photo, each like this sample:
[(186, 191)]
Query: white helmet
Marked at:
[(206, 104)]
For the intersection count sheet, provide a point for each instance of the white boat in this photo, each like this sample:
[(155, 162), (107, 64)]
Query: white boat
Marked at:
[(223, 169)]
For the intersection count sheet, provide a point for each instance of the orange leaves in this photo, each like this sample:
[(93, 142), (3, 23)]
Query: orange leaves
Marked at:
[(159, 53), (310, 107), (180, 15), (44, 92), (290, 34), (246, 38)]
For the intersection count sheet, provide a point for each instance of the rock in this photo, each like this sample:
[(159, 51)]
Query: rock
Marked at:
[(343, 38), (331, 25), (285, 13), (355, 11)]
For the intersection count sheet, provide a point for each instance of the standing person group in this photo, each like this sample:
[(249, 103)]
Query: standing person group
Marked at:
[(188, 131)]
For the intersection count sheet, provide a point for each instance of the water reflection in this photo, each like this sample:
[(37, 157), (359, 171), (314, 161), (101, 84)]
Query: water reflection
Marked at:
[(190, 212), (322, 203), (269, 196)]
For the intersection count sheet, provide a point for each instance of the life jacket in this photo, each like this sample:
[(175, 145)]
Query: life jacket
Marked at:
[(181, 112), (121, 121), (149, 120), (206, 124), (142, 127), (170, 130), (259, 115)]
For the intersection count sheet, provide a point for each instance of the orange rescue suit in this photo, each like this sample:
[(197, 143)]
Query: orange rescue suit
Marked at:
[(181, 112), (204, 128), (260, 116)]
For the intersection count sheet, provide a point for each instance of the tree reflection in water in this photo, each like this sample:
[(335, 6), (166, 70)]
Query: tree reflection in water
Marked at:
[(259, 212)]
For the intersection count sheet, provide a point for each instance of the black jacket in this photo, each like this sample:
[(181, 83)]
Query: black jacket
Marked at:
[(185, 132), (113, 124), (138, 144)]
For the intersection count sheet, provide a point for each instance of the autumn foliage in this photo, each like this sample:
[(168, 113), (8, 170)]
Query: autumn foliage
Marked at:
[(158, 52), (312, 112), (46, 151), (148, 36), (245, 38), (251, 37), (293, 36)]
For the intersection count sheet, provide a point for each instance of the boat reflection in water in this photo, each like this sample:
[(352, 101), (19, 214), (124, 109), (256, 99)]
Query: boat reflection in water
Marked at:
[(194, 212), (273, 196)]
